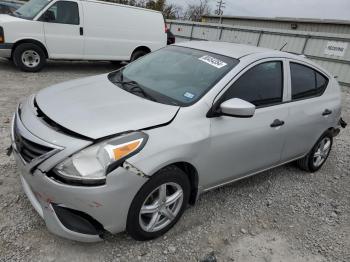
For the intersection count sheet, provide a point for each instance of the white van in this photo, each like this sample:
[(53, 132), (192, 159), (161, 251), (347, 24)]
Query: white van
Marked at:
[(78, 30)]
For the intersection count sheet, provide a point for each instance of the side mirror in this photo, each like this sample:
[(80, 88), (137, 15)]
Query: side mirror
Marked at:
[(237, 107), (48, 16)]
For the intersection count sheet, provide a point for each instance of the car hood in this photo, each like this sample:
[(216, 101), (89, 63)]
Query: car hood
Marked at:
[(94, 107)]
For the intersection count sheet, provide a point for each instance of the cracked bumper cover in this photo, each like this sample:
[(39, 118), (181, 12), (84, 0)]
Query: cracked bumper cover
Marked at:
[(108, 204)]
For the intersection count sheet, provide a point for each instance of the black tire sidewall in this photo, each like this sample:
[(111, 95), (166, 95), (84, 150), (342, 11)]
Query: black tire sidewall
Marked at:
[(169, 174), (311, 165), (137, 54), (18, 54)]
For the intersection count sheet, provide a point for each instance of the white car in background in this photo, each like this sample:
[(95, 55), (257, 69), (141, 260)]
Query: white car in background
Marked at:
[(78, 30)]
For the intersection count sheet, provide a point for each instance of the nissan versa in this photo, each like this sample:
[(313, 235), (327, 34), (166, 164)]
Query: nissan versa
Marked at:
[(131, 149)]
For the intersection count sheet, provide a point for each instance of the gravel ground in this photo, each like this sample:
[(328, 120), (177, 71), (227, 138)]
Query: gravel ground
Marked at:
[(281, 215)]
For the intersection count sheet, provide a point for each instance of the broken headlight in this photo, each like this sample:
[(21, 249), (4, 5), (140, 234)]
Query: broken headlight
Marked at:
[(92, 164)]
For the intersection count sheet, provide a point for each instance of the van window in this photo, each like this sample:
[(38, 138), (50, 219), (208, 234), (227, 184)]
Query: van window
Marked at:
[(31, 9), (261, 85), (306, 82), (63, 12)]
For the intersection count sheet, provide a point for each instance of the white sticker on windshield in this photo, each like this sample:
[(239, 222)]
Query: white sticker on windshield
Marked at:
[(212, 61), (189, 95)]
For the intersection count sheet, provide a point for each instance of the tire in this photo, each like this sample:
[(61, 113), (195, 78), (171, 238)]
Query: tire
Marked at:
[(140, 226), (29, 57), (137, 54), (116, 63), (310, 161)]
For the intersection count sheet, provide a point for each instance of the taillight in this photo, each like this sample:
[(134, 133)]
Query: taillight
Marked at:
[(165, 25), (2, 37)]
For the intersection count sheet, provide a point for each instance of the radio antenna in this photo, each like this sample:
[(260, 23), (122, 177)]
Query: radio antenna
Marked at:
[(283, 46)]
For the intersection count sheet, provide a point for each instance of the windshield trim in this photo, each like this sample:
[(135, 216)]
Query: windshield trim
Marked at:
[(177, 102)]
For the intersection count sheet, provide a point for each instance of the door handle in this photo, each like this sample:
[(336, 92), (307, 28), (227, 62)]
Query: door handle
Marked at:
[(277, 123), (81, 31), (327, 112)]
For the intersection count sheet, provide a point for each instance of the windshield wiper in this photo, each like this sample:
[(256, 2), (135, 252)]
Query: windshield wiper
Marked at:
[(136, 88), (16, 12)]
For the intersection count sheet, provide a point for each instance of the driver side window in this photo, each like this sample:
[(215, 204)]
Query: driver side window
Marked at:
[(261, 85), (62, 12)]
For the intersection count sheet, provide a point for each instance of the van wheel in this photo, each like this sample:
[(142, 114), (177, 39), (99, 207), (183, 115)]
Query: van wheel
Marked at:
[(137, 54), (318, 155), (159, 204), (116, 63), (29, 57)]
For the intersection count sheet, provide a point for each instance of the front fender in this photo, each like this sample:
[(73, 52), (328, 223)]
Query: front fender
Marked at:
[(184, 140)]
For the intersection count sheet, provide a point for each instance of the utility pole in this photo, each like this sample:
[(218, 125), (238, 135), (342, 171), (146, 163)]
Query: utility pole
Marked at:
[(220, 6)]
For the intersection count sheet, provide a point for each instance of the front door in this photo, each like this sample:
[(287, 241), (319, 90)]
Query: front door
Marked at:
[(63, 30), (242, 146)]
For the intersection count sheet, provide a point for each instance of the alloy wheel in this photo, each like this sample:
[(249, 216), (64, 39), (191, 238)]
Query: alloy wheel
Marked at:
[(161, 207), (322, 151)]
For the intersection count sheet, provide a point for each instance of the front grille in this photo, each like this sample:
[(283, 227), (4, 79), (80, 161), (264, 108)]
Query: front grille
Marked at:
[(28, 149)]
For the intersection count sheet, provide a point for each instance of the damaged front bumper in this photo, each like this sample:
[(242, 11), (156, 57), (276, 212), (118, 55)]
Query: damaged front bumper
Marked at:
[(81, 213)]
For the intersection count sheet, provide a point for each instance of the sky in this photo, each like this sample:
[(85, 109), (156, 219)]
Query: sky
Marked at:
[(323, 9)]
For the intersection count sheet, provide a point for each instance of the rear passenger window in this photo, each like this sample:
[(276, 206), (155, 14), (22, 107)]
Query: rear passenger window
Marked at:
[(63, 12), (306, 82), (261, 85)]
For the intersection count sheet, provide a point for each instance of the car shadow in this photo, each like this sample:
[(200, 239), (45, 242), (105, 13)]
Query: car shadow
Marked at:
[(67, 66)]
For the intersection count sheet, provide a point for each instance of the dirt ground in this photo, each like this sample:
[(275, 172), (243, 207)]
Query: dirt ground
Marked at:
[(280, 215)]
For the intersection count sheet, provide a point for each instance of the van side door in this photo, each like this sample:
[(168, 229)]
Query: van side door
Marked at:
[(63, 23), (243, 146)]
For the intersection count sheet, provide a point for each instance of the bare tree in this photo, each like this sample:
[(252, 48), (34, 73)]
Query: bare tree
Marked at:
[(170, 11), (195, 12)]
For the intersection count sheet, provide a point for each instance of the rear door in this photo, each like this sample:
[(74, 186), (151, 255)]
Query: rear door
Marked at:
[(242, 146), (63, 23), (310, 109)]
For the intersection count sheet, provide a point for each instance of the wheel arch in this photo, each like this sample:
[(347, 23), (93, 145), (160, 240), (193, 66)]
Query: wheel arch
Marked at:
[(30, 41), (192, 175), (334, 131), (142, 48)]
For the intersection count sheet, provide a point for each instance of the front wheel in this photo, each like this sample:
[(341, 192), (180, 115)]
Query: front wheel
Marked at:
[(318, 155), (159, 204), (29, 57)]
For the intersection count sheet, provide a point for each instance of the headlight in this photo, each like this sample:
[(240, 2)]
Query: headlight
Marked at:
[(92, 164)]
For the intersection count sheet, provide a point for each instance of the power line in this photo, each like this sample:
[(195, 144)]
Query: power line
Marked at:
[(220, 7)]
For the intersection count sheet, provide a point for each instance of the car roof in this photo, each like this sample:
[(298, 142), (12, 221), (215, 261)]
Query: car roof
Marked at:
[(232, 49), (239, 51)]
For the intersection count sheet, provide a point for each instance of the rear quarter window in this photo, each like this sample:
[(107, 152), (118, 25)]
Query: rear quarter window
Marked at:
[(306, 82)]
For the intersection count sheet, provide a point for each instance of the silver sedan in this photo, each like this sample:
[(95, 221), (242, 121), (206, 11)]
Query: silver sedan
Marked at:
[(130, 150)]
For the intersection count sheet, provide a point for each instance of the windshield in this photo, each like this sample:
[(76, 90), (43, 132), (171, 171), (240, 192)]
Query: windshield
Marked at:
[(31, 9), (176, 75)]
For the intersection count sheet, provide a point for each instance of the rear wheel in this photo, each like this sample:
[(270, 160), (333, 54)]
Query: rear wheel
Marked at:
[(29, 57), (318, 155), (137, 54), (159, 204)]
